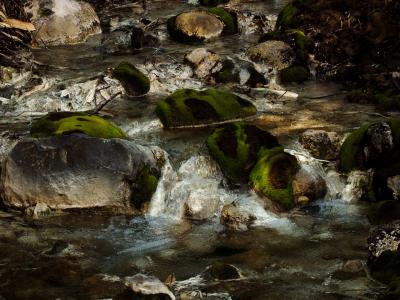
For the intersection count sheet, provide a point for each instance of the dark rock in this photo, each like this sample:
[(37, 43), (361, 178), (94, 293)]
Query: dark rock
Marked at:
[(235, 219), (77, 171), (222, 271), (294, 73), (309, 185), (321, 144), (132, 79)]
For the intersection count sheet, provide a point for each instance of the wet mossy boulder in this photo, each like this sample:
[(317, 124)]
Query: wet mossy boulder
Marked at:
[(195, 26), (235, 148), (65, 123), (132, 79), (228, 73), (288, 18), (189, 107), (295, 73), (276, 54), (213, 2), (272, 177), (146, 185), (375, 145), (228, 18)]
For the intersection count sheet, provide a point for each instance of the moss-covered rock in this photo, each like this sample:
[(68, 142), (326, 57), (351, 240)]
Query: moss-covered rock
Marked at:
[(272, 177), (64, 123), (372, 145), (228, 73), (190, 107), (145, 186), (213, 2), (229, 19), (295, 73), (235, 148), (195, 26), (288, 17), (133, 80)]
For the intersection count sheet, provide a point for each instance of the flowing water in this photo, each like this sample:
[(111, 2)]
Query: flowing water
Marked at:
[(298, 255)]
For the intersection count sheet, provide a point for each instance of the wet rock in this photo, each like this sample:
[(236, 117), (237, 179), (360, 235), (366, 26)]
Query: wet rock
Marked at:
[(235, 147), (394, 185), (222, 271), (294, 73), (384, 238), (350, 269), (321, 144), (358, 186), (195, 26), (78, 171), (140, 285), (204, 62), (189, 107), (272, 178), (66, 22), (213, 2), (372, 145), (58, 247), (308, 184), (40, 210), (64, 123), (228, 72), (228, 18), (274, 53), (200, 206), (235, 219), (132, 79)]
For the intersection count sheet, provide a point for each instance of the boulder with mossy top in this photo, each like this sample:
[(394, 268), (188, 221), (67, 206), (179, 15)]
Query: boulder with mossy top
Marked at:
[(276, 54), (375, 145), (65, 123), (189, 107), (272, 178), (288, 17), (228, 73), (213, 2), (132, 79), (235, 148), (77, 171), (295, 73), (195, 26), (228, 18)]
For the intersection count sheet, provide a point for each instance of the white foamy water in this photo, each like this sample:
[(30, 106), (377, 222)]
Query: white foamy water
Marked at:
[(139, 127), (63, 8), (199, 181)]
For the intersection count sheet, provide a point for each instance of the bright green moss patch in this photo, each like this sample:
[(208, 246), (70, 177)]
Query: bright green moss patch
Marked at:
[(231, 26), (295, 74), (235, 148), (190, 107), (133, 80), (273, 174), (287, 18), (145, 186), (63, 123)]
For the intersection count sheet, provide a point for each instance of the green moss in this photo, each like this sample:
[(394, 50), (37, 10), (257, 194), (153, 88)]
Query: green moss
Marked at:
[(235, 148), (274, 166), (223, 271), (145, 187), (133, 80), (191, 107), (231, 26), (287, 17), (213, 2), (63, 123), (295, 73)]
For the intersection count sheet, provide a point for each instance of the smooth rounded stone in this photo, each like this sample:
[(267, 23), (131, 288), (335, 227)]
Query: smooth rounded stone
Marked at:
[(353, 266), (141, 285), (222, 271), (132, 79), (195, 26), (321, 144), (235, 219), (309, 184), (67, 22), (274, 53), (78, 171), (204, 62)]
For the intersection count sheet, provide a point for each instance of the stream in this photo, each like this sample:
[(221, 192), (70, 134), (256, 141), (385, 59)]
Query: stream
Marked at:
[(295, 255)]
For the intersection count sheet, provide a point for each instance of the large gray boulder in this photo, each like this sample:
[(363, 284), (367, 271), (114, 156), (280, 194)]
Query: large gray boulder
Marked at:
[(78, 171)]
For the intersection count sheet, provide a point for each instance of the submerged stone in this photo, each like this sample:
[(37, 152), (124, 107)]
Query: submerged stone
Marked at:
[(235, 148), (272, 177), (190, 107), (65, 123), (132, 79)]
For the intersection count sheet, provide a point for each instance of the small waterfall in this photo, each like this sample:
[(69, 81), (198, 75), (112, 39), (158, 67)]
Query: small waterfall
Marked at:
[(200, 182)]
